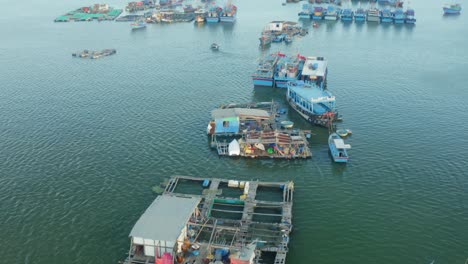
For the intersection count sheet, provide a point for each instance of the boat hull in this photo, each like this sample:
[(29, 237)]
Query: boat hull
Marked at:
[(212, 19), (262, 81), (317, 17), (410, 21), (347, 19), (228, 19), (387, 20), (373, 19), (399, 21), (359, 18), (331, 17), (451, 12)]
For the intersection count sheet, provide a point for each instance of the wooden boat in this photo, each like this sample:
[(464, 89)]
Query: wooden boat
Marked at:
[(287, 124), (338, 148)]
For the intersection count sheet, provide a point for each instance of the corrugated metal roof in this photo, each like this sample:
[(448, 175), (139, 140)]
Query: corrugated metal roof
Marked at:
[(239, 112), (165, 218)]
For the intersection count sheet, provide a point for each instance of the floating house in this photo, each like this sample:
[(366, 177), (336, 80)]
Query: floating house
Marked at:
[(315, 71), (235, 121), (160, 232), (211, 227)]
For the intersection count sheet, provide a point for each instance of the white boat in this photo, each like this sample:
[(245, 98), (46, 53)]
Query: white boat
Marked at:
[(234, 148)]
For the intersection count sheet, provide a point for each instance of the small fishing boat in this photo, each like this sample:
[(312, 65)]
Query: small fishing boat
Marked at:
[(138, 25), (399, 16), (386, 16), (287, 124), (288, 39), (214, 46), (338, 148), (331, 13), (278, 38), (410, 19), (347, 15), (315, 25), (200, 19), (452, 9), (360, 15)]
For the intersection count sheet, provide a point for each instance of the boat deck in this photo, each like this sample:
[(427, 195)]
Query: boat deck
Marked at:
[(262, 216)]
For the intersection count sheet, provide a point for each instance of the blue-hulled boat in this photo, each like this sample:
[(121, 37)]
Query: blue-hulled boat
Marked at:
[(228, 14), (213, 15), (278, 38), (360, 15), (373, 15), (264, 75), (318, 13), (410, 19), (399, 16), (338, 148), (331, 13), (288, 69), (386, 16), (452, 9), (306, 12), (313, 103), (347, 15)]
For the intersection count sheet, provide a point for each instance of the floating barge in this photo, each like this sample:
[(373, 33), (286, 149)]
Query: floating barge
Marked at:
[(98, 12), (87, 54), (213, 227), (255, 133), (281, 30)]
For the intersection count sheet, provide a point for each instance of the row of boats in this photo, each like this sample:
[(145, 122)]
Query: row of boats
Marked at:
[(217, 14), (280, 31), (373, 14), (256, 130)]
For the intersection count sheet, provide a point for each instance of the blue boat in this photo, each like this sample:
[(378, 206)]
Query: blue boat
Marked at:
[(306, 12), (264, 75), (360, 15), (452, 9), (213, 15), (229, 14), (338, 148), (347, 15), (331, 13), (386, 16), (399, 16), (278, 38), (288, 69), (318, 13), (288, 39), (410, 19), (311, 102)]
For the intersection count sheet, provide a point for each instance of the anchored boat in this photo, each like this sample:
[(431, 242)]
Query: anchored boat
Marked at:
[(399, 16), (229, 13), (386, 16), (410, 19), (306, 12), (452, 9), (360, 15), (331, 13), (338, 148), (373, 15), (318, 13), (264, 75), (138, 25), (347, 15), (288, 69)]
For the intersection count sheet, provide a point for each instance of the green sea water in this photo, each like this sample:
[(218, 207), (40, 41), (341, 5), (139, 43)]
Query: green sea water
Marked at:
[(83, 141)]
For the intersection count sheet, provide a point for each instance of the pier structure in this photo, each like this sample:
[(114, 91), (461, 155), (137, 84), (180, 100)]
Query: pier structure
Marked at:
[(227, 221)]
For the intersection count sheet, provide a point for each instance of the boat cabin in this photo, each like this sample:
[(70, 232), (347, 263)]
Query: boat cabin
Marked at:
[(234, 121), (315, 71), (161, 230)]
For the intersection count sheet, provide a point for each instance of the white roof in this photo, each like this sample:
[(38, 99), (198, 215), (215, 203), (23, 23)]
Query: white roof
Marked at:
[(319, 71), (165, 218), (239, 112), (339, 143)]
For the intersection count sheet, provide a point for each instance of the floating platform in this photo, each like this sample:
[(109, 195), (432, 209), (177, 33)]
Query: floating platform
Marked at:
[(98, 12), (87, 54), (228, 221)]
